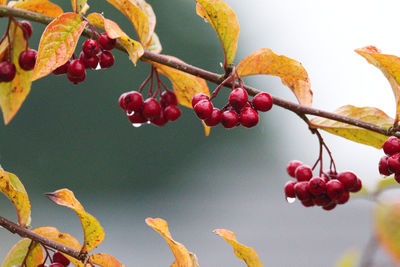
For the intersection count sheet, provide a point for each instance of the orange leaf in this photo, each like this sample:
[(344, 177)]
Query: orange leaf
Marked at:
[(3, 2), (17, 254), (94, 233), (14, 190), (105, 260), (354, 133), (58, 43), (79, 6), (390, 67), (134, 49), (247, 254), (44, 7), (224, 21), (14, 93), (291, 72), (183, 258)]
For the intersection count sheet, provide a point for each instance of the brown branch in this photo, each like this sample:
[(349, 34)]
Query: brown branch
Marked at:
[(26, 233)]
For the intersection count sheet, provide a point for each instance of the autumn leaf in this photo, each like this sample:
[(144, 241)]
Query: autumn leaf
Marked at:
[(349, 259), (18, 253), (58, 43), (134, 49), (79, 6), (93, 232), (155, 44), (3, 2), (354, 133), (247, 254), (44, 7), (291, 72), (14, 93), (105, 260), (183, 258)]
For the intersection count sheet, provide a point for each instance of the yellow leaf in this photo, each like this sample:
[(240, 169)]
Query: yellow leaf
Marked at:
[(390, 67), (291, 72), (386, 183), (134, 49), (4, 49), (151, 16), (12, 188), (207, 128), (155, 44), (349, 259), (58, 43), (354, 133), (105, 260), (247, 254), (14, 93), (224, 21), (79, 6), (183, 258), (3, 2), (17, 254), (94, 233), (44, 7)]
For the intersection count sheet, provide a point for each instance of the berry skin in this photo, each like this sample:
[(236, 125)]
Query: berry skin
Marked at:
[(348, 179), (7, 71), (27, 28), (330, 206), (203, 109), (198, 97), (301, 191), (303, 173), (215, 118), (343, 198), (106, 59), (229, 119), (168, 98), (62, 69), (238, 98), (357, 187), (76, 68), (132, 101), (151, 108), (121, 101), (322, 200), (289, 189), (27, 59), (56, 264), (76, 79), (292, 166), (334, 189), (137, 117), (262, 102), (317, 186), (248, 117), (60, 258), (394, 163), (106, 42), (160, 121), (384, 166), (397, 178), (89, 62), (308, 203), (90, 47), (391, 146), (172, 113), (42, 265)]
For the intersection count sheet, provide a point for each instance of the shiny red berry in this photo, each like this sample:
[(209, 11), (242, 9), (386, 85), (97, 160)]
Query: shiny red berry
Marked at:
[(229, 119), (76, 68), (132, 101), (394, 163), (27, 59), (391, 146), (322, 200), (343, 198), (160, 120), (303, 173), (137, 117), (384, 166), (42, 265), (90, 62), (301, 191), (27, 28), (292, 166), (151, 108), (248, 117), (203, 109), (308, 203), (172, 113), (289, 189), (76, 79), (56, 264), (106, 42), (7, 71), (262, 102), (357, 187), (238, 98), (215, 118), (106, 59), (60, 258), (317, 186), (330, 206), (198, 97), (90, 47), (348, 179), (168, 98), (62, 69), (334, 189)]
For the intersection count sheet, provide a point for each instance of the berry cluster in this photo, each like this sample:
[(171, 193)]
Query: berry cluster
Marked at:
[(327, 191), (390, 163), (26, 59), (93, 52), (238, 111), (58, 260)]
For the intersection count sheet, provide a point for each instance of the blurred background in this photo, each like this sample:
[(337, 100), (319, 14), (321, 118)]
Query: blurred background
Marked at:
[(76, 137)]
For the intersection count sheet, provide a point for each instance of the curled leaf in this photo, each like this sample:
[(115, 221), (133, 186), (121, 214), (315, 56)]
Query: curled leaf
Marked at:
[(247, 254), (58, 43), (93, 232), (183, 258), (18, 253), (44, 7), (155, 44), (291, 72), (105, 260), (79, 6), (354, 133)]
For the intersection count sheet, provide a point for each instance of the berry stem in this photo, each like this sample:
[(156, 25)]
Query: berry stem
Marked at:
[(216, 91), (158, 85), (151, 82), (27, 253), (146, 81)]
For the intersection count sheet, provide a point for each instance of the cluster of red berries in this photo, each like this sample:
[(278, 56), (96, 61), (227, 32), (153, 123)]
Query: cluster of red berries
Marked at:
[(390, 163), (58, 260), (89, 58), (150, 110), (26, 59), (327, 191), (239, 110)]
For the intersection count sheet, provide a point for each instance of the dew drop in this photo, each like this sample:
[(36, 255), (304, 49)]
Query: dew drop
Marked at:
[(290, 200), (148, 122), (130, 113), (136, 125)]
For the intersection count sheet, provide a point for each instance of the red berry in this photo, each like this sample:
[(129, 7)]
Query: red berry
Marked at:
[(198, 97), (348, 179), (168, 98), (248, 117), (7, 71), (357, 187), (137, 117), (303, 173), (343, 198), (203, 109), (76, 68), (215, 118), (133, 101), (56, 264), (238, 98), (90, 62), (397, 177), (42, 265), (172, 113), (151, 108), (161, 120), (301, 191), (307, 203), (384, 166), (106, 42), (331, 174), (106, 59), (229, 119), (334, 189), (394, 163), (121, 101), (322, 200), (317, 186), (90, 47), (330, 206), (289, 189), (27, 59), (76, 79), (262, 102), (62, 69), (27, 28), (292, 166), (391, 146), (60, 258)]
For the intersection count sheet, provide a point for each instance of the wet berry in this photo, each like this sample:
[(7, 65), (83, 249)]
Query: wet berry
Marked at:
[(172, 113), (391, 146), (292, 166), (215, 118), (248, 117), (322, 200), (394, 163), (7, 71), (229, 119), (90, 47), (168, 98), (330, 206), (301, 191), (334, 189), (308, 203), (160, 120), (262, 102), (238, 98), (151, 108), (27, 59), (198, 97), (203, 109), (343, 198), (90, 62), (106, 59), (348, 179), (76, 79), (303, 173), (62, 69), (60, 258), (384, 166), (317, 186), (132, 101), (27, 28), (106, 42), (357, 187), (289, 189), (76, 68), (137, 117)]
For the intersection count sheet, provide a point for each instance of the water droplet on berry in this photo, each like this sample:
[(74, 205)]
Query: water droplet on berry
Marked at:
[(148, 122), (136, 125), (290, 200)]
